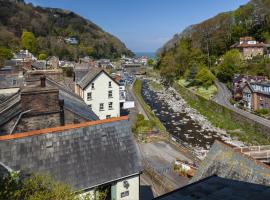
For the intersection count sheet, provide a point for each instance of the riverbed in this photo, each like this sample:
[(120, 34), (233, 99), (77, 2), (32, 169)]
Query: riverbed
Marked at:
[(182, 122)]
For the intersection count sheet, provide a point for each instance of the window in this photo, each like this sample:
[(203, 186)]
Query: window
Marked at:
[(108, 116), (89, 96), (110, 95), (93, 86), (101, 106), (90, 106), (110, 105), (110, 84)]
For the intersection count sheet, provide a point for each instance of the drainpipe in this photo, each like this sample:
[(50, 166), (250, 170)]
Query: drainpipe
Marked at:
[(62, 112)]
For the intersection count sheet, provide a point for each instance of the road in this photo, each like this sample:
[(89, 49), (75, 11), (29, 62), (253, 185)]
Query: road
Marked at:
[(223, 98)]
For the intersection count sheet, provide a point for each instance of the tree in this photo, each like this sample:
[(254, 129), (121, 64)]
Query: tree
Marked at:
[(167, 68), (42, 56), (5, 54), (150, 62), (204, 77), (29, 41), (35, 187), (231, 63)]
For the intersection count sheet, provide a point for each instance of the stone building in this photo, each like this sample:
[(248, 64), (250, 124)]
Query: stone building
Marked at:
[(86, 156), (38, 105), (256, 96), (53, 62), (249, 47)]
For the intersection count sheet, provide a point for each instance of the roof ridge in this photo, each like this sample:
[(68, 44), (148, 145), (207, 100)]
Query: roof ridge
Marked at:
[(61, 128)]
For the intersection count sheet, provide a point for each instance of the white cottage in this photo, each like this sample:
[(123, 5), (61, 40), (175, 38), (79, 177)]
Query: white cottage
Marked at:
[(100, 92)]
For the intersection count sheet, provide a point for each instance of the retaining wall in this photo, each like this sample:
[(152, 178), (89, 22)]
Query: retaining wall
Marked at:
[(244, 123)]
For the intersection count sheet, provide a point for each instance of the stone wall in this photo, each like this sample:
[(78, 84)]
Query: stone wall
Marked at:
[(242, 121), (72, 118), (29, 123)]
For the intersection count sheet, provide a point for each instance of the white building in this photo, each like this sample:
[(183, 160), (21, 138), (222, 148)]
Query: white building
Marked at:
[(100, 92)]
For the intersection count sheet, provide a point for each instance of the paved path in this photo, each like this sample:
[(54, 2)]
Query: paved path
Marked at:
[(223, 98), (137, 103)]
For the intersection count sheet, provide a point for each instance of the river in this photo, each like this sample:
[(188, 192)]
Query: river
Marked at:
[(181, 121)]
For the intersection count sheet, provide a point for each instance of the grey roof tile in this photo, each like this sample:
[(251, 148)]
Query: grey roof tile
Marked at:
[(216, 188), (81, 157)]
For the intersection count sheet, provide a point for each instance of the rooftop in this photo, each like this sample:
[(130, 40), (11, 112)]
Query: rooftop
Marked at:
[(83, 155), (89, 77), (227, 162), (215, 188)]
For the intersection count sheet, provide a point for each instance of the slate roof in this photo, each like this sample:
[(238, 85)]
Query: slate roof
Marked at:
[(89, 77), (83, 155), (216, 188), (77, 106), (224, 161)]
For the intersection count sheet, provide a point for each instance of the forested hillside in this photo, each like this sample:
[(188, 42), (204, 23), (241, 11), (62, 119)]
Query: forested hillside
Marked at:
[(50, 27), (205, 43)]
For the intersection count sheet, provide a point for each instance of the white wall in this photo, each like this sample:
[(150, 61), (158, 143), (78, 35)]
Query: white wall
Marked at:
[(120, 192), (100, 95)]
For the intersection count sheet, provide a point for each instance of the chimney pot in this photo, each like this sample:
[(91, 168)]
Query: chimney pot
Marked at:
[(43, 81)]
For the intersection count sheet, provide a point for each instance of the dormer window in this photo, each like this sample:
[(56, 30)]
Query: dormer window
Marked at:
[(93, 86), (110, 84)]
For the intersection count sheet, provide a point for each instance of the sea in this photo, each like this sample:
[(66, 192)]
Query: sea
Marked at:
[(148, 54)]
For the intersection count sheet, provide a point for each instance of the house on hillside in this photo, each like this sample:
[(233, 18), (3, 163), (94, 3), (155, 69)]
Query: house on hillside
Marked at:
[(24, 56), (249, 47), (239, 82), (53, 61), (100, 92), (90, 157), (71, 40), (257, 96)]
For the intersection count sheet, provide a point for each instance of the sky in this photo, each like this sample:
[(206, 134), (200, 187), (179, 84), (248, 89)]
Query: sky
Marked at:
[(144, 25)]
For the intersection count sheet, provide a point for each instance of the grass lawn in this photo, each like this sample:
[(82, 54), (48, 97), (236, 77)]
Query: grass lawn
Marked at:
[(137, 88), (207, 93)]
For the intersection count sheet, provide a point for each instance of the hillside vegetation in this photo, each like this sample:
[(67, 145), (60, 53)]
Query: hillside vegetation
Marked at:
[(50, 27), (207, 45)]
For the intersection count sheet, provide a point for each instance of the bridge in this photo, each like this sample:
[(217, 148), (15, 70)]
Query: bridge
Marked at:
[(261, 153)]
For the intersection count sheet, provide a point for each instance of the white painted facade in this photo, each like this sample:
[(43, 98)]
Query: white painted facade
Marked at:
[(127, 189), (102, 96)]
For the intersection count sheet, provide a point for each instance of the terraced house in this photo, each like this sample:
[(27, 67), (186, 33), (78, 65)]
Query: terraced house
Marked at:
[(100, 92)]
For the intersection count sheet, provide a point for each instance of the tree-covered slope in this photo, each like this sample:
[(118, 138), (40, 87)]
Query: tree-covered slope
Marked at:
[(221, 31), (206, 42), (50, 27)]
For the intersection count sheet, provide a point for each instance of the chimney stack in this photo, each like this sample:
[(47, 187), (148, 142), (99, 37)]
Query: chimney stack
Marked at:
[(43, 81)]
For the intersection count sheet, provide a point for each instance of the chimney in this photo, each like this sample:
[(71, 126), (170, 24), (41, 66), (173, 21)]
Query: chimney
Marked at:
[(62, 112), (43, 81)]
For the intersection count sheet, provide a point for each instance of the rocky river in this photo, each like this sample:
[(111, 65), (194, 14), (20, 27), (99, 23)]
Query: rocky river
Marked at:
[(182, 122)]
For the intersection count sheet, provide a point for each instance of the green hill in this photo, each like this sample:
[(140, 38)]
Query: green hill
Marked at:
[(50, 27), (204, 43)]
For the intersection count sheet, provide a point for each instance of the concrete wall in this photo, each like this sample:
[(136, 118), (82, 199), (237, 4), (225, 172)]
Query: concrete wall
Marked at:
[(242, 121), (100, 95)]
